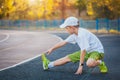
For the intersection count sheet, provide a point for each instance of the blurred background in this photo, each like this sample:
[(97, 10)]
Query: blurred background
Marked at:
[(42, 14)]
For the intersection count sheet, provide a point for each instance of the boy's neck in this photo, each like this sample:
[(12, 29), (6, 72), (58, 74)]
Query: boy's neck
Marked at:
[(76, 31)]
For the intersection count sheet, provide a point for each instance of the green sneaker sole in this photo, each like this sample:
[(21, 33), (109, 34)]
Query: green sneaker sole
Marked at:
[(103, 68), (45, 62)]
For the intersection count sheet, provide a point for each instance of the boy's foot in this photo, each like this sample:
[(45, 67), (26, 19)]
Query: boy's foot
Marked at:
[(45, 62), (103, 67)]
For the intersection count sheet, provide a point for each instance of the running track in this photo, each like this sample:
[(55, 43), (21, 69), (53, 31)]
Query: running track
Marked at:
[(32, 70)]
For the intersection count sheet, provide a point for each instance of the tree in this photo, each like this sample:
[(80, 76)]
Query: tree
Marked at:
[(100, 8), (6, 8), (25, 9), (80, 5), (106, 8)]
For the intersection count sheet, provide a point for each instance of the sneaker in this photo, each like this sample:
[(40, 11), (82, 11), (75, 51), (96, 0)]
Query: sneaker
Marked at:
[(103, 67), (45, 62)]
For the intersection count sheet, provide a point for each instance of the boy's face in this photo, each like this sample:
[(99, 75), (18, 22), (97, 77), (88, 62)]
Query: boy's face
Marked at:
[(70, 29)]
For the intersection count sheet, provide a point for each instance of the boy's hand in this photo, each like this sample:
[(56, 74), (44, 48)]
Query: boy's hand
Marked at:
[(60, 44), (49, 51), (79, 71)]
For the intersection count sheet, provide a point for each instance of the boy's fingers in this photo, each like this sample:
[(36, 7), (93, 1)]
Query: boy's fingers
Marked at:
[(78, 73), (47, 53)]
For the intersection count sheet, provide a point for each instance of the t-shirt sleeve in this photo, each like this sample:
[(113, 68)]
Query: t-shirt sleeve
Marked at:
[(70, 39), (83, 43)]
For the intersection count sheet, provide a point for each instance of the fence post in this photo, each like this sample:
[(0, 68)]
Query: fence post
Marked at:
[(54, 23), (18, 23), (45, 23), (97, 26), (27, 22), (118, 24), (81, 23), (63, 20), (107, 22)]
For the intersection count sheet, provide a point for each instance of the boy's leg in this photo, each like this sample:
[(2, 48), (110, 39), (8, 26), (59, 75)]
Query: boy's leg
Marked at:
[(47, 64), (61, 61), (95, 60), (74, 57)]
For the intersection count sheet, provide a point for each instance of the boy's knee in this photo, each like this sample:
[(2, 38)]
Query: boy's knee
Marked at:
[(91, 63)]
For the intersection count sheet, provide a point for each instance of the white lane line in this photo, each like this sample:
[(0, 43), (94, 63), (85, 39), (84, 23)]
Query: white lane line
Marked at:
[(58, 37), (7, 36), (27, 60)]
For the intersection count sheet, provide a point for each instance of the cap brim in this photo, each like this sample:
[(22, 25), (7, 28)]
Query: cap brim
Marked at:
[(62, 26)]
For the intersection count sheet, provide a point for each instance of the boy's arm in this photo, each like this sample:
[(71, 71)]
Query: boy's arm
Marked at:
[(60, 44), (82, 56)]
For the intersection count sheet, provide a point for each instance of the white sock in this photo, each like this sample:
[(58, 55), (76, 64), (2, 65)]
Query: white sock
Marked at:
[(51, 64), (100, 61)]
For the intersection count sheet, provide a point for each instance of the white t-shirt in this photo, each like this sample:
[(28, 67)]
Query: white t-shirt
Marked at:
[(86, 41)]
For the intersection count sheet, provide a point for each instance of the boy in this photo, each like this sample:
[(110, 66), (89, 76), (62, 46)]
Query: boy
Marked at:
[(91, 48)]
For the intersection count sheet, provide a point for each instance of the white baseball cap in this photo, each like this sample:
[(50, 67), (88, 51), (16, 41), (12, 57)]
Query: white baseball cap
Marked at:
[(70, 21)]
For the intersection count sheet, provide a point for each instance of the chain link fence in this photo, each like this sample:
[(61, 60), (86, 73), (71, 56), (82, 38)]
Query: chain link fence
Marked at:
[(97, 24)]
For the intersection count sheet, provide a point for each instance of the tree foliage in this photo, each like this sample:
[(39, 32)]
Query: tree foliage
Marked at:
[(26, 9), (50, 9), (6, 8), (106, 8), (80, 5), (101, 8)]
